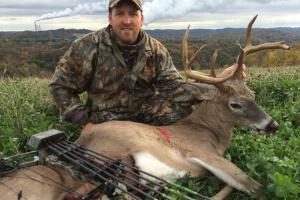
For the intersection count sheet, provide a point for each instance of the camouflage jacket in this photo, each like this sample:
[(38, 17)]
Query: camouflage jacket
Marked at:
[(150, 91)]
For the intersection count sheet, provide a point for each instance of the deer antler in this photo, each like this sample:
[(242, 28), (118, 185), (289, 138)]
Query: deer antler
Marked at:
[(202, 77), (213, 64), (212, 78), (249, 48)]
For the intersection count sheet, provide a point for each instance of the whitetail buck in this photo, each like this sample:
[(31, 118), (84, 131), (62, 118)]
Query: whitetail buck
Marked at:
[(193, 145), (196, 143)]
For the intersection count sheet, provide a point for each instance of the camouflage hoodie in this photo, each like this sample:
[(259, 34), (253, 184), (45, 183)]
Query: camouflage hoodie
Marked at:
[(149, 91)]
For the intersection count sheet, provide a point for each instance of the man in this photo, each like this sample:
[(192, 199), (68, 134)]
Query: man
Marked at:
[(127, 74)]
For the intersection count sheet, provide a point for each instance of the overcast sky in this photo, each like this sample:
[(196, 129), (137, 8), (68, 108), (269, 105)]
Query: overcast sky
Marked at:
[(175, 14)]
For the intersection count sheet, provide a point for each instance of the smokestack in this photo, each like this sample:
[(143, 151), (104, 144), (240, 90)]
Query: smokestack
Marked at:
[(37, 27)]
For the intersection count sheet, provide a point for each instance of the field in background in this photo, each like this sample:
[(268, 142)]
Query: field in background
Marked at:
[(26, 109)]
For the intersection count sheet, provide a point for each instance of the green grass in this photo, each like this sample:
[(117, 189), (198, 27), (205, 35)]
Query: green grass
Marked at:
[(26, 108), (273, 161)]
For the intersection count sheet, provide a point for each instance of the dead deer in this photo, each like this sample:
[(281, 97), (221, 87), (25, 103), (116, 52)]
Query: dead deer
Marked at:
[(197, 143)]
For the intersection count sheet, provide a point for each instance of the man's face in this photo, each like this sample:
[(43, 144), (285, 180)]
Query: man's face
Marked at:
[(126, 22)]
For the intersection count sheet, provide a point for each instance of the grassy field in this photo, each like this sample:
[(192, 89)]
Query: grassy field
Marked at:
[(26, 108)]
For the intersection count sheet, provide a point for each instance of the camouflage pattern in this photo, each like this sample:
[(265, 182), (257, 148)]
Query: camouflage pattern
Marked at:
[(113, 3), (145, 88)]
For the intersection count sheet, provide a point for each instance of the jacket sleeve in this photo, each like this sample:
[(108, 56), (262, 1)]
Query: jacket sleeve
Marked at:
[(71, 78), (170, 83)]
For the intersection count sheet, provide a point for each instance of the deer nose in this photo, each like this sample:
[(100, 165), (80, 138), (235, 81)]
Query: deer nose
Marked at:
[(272, 127)]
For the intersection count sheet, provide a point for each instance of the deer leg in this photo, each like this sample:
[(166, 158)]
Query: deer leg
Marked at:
[(227, 172), (223, 193)]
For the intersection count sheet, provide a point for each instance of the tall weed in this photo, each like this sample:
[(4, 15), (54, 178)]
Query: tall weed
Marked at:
[(25, 109)]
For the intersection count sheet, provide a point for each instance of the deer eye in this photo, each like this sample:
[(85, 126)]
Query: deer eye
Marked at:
[(235, 105)]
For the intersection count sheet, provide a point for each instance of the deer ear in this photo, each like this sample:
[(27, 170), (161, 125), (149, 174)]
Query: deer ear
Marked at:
[(226, 88), (200, 91)]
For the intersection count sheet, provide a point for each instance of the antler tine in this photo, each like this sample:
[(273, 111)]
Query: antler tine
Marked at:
[(268, 45), (185, 48), (239, 70), (186, 62), (193, 59), (249, 30), (240, 58), (249, 48), (202, 77), (213, 64)]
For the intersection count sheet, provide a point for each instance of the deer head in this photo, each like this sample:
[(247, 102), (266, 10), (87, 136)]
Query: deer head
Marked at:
[(232, 92)]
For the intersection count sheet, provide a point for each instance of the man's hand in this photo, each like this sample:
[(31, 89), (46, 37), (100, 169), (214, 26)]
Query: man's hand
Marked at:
[(80, 117), (231, 70), (77, 115)]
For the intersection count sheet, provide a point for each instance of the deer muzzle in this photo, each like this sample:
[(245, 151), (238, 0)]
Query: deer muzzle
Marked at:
[(272, 127)]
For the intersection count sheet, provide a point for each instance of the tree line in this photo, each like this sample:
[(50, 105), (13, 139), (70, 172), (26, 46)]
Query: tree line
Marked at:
[(37, 53)]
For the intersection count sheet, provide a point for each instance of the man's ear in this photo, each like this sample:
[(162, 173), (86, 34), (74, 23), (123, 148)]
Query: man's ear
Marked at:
[(142, 15), (110, 17)]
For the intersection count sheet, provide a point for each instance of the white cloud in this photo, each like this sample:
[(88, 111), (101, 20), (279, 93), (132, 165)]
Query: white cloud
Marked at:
[(84, 9), (91, 14)]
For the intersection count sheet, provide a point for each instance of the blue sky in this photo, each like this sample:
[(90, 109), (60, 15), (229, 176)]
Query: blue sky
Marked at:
[(175, 14)]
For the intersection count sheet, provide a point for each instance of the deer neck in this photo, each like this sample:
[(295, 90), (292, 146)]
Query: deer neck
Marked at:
[(208, 120)]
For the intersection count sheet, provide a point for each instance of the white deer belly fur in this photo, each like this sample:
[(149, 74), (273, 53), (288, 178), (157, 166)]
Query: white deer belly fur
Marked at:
[(150, 164)]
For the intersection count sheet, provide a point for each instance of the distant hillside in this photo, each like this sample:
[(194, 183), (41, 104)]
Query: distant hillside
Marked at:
[(289, 34), (43, 35), (291, 30), (27, 53), (199, 32)]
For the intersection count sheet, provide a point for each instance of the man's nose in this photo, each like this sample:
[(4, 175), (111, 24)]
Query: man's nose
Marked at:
[(127, 20)]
